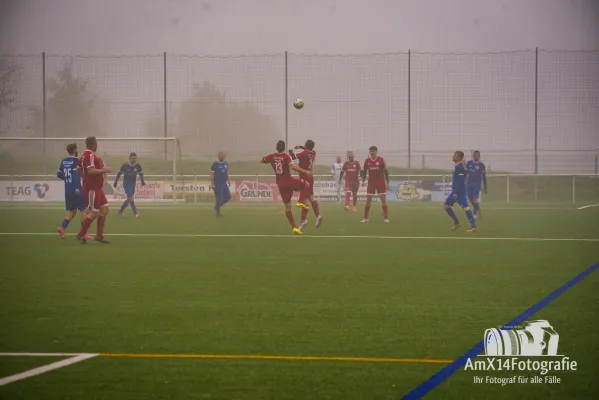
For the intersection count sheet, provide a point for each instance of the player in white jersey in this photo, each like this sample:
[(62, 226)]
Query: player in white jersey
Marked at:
[(336, 169)]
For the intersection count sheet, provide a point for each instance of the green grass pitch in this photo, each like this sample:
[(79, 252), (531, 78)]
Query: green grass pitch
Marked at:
[(385, 305)]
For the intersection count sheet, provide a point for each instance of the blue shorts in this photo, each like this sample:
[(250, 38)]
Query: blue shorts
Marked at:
[(222, 192), (459, 199), (74, 202), (473, 192), (129, 191)]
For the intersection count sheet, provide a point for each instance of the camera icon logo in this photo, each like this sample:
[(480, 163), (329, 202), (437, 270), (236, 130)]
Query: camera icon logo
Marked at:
[(535, 338)]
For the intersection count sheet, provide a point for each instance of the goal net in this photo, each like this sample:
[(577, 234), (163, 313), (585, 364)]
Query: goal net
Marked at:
[(28, 167)]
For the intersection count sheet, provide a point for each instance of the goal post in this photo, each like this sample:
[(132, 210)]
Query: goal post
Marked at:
[(29, 161)]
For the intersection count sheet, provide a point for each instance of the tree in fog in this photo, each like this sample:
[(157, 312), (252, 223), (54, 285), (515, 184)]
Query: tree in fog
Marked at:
[(70, 106), (8, 91), (209, 122)]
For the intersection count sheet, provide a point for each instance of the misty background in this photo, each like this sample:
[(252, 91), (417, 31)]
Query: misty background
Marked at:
[(472, 78)]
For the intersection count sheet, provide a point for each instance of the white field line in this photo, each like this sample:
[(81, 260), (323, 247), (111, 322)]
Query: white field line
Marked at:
[(41, 354), (186, 208), (184, 235), (46, 368), (592, 205)]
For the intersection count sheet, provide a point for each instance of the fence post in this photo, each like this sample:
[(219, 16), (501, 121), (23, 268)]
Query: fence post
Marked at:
[(256, 183), (573, 188), (165, 107), (423, 161), (536, 114), (444, 191), (286, 98), (44, 108), (409, 111), (508, 188)]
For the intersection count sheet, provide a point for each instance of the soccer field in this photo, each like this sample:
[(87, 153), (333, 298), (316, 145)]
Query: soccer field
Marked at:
[(184, 305)]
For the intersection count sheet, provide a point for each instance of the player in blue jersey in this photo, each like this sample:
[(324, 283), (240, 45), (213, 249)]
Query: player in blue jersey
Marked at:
[(130, 170), (219, 179), (477, 178), (73, 196), (459, 192)]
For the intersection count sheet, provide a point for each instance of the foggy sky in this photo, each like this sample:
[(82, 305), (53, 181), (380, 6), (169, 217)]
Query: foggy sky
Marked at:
[(308, 26)]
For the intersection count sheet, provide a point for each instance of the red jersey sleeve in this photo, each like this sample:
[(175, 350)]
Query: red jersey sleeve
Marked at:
[(287, 159), (358, 165), (266, 159)]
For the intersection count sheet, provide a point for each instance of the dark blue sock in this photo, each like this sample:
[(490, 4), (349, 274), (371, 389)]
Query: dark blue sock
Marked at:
[(476, 208), (133, 207), (471, 218), (65, 223), (125, 204), (452, 215)]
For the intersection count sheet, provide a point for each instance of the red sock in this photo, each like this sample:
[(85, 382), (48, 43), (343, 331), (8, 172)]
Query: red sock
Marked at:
[(385, 212), (366, 211), (355, 199), (101, 221), (289, 215), (85, 226), (304, 214), (315, 208), (346, 199)]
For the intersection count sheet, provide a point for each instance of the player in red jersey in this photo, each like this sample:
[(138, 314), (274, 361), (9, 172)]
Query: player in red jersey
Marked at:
[(378, 181), (306, 161), (92, 168), (281, 163), (351, 171)]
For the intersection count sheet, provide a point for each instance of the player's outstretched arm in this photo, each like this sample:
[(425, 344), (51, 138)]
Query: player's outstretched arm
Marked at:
[(298, 169), (386, 173), (292, 154), (99, 171)]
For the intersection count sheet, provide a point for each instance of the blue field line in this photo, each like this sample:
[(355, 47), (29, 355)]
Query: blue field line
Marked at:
[(435, 380)]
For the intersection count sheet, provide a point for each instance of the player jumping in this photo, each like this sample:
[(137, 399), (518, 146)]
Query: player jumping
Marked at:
[(336, 172), (351, 171), (92, 168), (378, 182), (458, 192), (477, 174), (73, 197), (219, 179), (281, 163), (130, 170), (306, 162)]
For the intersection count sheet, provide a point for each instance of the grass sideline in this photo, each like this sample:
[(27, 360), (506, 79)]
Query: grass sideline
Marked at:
[(257, 296)]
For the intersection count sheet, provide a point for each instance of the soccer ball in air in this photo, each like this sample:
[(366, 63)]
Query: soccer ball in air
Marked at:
[(298, 103)]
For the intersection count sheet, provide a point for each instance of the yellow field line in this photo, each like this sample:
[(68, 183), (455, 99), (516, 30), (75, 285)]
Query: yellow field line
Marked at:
[(286, 358)]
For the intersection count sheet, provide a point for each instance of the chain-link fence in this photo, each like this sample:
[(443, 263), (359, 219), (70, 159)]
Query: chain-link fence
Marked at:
[(531, 111)]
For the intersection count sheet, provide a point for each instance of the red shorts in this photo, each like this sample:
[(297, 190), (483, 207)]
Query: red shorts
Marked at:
[(376, 187), (94, 199), (352, 186), (288, 186)]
